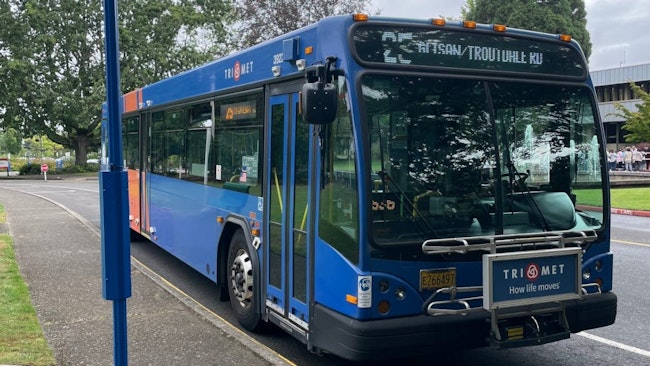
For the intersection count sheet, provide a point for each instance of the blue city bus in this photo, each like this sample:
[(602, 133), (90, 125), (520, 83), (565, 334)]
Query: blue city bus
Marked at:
[(376, 185)]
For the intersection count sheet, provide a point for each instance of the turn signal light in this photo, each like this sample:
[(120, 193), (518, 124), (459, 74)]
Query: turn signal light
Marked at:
[(383, 307)]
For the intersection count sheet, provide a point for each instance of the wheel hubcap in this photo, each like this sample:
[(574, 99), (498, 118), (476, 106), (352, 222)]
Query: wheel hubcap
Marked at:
[(241, 277)]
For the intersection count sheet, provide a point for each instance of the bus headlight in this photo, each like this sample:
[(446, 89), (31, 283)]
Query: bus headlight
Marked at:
[(599, 266)]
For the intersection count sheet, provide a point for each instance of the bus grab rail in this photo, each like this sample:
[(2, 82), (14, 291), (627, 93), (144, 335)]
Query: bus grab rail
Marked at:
[(490, 244), (435, 307)]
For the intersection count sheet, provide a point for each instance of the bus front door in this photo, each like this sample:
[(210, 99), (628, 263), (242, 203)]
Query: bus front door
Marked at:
[(287, 235)]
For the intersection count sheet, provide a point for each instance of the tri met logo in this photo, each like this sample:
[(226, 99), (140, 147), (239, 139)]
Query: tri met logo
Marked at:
[(533, 271), (237, 70)]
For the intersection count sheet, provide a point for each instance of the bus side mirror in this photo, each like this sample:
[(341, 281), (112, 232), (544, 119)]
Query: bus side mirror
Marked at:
[(319, 103)]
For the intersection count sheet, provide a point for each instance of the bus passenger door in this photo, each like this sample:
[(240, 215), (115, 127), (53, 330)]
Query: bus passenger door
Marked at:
[(287, 238), (145, 173)]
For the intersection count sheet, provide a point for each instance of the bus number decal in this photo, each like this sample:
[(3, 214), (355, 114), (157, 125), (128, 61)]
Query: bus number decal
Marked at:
[(388, 205), (277, 58)]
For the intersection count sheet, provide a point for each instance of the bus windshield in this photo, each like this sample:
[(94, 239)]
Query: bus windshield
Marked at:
[(467, 157)]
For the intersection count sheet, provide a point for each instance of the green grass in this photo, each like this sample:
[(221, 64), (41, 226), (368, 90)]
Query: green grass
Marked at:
[(625, 198), (21, 337)]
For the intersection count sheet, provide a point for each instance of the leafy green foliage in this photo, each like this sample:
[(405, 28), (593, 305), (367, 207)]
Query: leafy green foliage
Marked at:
[(161, 38), (260, 20), (41, 146), (551, 16), (54, 67), (10, 141), (637, 123), (30, 169)]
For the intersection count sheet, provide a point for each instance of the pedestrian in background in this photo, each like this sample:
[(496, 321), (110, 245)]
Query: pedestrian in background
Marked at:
[(619, 160), (637, 159), (627, 159), (611, 160)]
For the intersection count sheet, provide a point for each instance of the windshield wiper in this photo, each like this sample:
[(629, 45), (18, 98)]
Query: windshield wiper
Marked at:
[(518, 179)]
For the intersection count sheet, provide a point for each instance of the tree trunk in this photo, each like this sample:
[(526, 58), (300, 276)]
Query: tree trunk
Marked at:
[(81, 148)]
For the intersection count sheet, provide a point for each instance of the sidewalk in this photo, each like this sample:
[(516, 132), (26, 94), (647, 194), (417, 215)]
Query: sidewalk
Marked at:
[(59, 257)]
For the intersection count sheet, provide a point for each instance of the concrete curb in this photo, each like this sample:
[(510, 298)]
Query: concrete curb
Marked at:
[(622, 211)]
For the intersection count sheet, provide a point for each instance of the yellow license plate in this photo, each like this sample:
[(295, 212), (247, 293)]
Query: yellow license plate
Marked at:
[(431, 279)]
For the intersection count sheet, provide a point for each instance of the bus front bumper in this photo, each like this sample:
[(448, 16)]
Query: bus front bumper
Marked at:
[(423, 335)]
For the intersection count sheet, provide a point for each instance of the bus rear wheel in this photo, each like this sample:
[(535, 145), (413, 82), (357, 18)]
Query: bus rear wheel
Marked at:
[(242, 287)]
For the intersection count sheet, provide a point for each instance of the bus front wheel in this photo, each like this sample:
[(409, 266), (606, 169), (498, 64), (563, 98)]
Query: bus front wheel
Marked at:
[(241, 283)]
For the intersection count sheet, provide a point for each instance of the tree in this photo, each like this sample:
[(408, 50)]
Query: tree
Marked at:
[(12, 71), (57, 50), (10, 141), (637, 123), (41, 146), (260, 20), (161, 38), (551, 16)]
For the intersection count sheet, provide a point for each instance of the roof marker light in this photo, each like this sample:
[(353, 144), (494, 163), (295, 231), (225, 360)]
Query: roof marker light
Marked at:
[(439, 22), (499, 27), (360, 17), (565, 37), (301, 64), (469, 24)]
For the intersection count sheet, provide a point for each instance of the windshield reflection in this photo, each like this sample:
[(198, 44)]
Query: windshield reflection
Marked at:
[(452, 158)]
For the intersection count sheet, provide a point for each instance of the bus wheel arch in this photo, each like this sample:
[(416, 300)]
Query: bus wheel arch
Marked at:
[(240, 277)]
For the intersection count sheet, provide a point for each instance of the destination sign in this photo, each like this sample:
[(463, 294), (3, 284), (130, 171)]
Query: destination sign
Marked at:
[(238, 111), (411, 46)]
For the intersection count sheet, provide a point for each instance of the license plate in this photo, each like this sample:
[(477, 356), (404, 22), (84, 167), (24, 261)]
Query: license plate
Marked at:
[(431, 279)]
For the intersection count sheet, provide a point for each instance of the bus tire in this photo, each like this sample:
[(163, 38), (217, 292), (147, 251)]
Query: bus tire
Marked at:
[(242, 289)]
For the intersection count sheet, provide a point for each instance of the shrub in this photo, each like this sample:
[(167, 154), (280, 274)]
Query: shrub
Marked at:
[(30, 169)]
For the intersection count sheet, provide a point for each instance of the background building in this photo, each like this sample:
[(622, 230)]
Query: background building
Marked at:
[(613, 86)]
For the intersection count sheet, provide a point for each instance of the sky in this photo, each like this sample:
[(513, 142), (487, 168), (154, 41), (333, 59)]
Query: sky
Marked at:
[(619, 30)]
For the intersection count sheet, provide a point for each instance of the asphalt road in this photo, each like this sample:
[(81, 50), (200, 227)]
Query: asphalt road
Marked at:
[(627, 342)]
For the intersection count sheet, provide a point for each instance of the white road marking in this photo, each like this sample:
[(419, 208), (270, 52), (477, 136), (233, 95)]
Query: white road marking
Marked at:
[(609, 342)]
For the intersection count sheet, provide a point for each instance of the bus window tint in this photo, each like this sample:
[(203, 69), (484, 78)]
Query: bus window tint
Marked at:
[(339, 213), (130, 131), (455, 158), (199, 136), (235, 160)]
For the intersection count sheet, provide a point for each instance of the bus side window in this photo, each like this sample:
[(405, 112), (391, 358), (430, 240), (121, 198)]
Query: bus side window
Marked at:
[(236, 148), (199, 131), (339, 206)]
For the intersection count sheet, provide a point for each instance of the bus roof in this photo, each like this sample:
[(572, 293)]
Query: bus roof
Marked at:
[(283, 56)]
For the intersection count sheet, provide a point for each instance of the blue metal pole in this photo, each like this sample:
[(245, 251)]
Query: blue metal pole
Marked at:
[(116, 254), (113, 82), (120, 344)]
